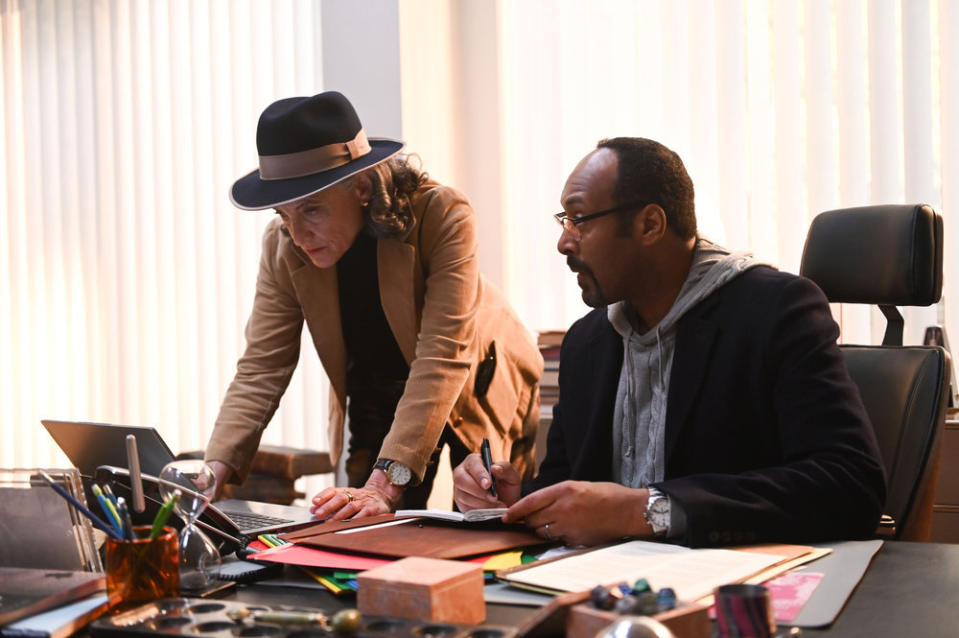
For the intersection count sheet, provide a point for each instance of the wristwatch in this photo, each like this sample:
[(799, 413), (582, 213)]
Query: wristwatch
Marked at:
[(398, 474), (657, 512)]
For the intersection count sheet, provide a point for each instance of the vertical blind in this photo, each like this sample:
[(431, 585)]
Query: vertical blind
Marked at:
[(780, 110), (126, 276)]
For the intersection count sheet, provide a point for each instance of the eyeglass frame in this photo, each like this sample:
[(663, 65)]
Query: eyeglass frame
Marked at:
[(561, 217)]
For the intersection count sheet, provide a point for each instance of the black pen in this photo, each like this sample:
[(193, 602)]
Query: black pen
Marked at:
[(488, 464)]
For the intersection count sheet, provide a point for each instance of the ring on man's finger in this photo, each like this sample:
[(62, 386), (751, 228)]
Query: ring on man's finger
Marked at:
[(546, 529), (349, 495)]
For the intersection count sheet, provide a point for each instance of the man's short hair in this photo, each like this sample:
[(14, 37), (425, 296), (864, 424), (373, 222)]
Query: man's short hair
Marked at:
[(649, 172)]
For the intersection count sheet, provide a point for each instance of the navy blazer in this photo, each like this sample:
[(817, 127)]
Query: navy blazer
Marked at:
[(766, 435)]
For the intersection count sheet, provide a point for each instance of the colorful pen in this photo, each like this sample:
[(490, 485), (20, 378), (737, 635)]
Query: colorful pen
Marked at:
[(108, 492), (97, 522), (107, 506), (125, 519), (267, 540)]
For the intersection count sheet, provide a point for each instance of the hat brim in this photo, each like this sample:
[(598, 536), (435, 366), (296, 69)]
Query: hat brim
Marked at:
[(252, 193)]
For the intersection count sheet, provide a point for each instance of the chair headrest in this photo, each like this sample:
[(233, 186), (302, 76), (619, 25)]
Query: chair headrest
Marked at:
[(889, 255)]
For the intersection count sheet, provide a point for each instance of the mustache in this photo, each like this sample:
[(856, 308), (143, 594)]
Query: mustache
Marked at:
[(576, 264)]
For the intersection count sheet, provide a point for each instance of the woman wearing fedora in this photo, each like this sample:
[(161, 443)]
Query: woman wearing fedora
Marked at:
[(381, 263)]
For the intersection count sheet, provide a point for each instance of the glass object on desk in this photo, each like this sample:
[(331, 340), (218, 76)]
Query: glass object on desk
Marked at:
[(199, 558)]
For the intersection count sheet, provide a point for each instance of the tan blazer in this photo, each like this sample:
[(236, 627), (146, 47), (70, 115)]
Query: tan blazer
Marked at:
[(443, 314)]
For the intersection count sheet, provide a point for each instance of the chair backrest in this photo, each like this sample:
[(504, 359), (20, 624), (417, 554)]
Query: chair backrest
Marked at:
[(891, 256)]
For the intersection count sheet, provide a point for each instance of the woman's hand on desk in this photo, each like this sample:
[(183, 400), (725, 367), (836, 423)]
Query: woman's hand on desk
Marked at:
[(378, 496), (471, 483)]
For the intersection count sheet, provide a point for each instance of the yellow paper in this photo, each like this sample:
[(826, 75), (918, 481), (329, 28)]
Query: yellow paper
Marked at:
[(503, 561)]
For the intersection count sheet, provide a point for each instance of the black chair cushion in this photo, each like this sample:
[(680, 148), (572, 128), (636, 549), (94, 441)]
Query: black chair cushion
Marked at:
[(889, 255), (904, 391)]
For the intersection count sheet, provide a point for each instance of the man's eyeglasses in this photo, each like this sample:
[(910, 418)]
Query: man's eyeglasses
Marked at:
[(571, 223)]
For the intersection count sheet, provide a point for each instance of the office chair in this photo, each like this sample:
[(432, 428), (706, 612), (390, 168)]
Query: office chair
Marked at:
[(891, 256)]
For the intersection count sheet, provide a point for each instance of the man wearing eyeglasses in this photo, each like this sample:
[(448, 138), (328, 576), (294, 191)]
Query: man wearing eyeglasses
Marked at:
[(704, 399)]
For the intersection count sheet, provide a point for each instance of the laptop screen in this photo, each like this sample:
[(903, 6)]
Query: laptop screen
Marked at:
[(89, 445)]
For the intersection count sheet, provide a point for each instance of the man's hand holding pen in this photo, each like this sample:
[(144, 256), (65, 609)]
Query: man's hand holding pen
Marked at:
[(472, 482)]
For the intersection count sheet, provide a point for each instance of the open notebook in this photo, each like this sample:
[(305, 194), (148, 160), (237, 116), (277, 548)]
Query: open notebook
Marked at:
[(472, 516)]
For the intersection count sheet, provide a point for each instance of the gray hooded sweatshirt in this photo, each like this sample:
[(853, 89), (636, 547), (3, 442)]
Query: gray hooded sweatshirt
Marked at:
[(639, 418)]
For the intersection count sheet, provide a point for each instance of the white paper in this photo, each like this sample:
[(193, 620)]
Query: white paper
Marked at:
[(692, 573)]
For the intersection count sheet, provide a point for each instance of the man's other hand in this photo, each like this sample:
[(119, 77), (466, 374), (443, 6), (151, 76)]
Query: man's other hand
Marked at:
[(583, 513), (223, 473), (471, 484)]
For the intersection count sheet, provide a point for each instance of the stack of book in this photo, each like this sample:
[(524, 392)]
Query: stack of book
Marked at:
[(549, 342), (48, 603)]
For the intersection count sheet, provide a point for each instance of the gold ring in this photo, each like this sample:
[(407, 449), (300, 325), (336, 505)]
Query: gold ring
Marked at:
[(349, 495)]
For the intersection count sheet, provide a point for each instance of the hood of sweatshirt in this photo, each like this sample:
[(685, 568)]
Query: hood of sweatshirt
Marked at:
[(639, 419)]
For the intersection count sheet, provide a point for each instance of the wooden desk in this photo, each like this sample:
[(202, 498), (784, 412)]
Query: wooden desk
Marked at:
[(910, 590)]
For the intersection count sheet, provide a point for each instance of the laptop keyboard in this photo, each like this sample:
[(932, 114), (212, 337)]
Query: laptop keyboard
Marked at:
[(248, 520)]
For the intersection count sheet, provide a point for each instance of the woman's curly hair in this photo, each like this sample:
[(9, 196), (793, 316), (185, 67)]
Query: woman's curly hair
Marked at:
[(390, 212)]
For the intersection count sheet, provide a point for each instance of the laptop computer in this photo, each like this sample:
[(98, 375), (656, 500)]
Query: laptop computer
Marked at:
[(91, 445)]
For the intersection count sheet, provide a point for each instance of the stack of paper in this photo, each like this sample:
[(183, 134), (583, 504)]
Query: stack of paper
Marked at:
[(692, 573)]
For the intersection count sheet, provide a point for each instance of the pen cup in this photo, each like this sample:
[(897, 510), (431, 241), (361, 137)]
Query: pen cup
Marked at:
[(744, 611), (142, 570)]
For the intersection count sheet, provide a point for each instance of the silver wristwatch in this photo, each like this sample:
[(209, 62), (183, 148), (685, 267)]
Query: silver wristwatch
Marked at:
[(657, 512)]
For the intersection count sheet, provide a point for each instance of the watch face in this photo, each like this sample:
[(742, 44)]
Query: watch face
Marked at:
[(399, 474), (658, 515), (660, 506)]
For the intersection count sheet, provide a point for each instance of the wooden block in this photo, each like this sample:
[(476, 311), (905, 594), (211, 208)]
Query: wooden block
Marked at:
[(424, 589), (687, 621)]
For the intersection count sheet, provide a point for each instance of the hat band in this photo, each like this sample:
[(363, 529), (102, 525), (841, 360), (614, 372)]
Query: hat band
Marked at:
[(314, 160)]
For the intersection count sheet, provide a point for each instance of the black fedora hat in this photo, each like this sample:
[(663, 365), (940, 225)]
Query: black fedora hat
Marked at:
[(306, 144)]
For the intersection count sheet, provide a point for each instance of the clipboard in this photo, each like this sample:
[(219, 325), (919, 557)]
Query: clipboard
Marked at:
[(418, 537)]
